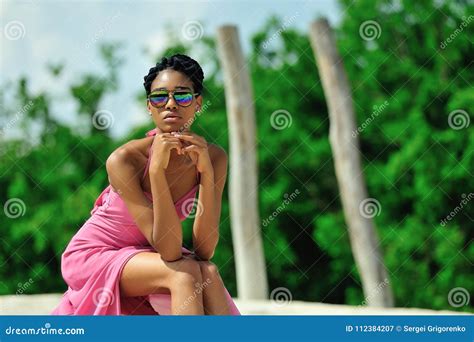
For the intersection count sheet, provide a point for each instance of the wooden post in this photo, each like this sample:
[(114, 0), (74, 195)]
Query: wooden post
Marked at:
[(345, 148), (248, 247)]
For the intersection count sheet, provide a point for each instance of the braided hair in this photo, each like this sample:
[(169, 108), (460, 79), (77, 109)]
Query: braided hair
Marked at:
[(178, 62)]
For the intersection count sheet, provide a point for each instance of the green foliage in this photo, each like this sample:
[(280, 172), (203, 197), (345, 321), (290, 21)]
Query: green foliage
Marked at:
[(415, 164)]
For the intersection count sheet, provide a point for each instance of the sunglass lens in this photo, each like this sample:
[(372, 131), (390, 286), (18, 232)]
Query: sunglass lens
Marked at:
[(183, 99), (158, 100)]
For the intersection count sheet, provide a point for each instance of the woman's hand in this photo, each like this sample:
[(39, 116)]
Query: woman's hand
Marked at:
[(196, 147), (162, 146), (192, 256)]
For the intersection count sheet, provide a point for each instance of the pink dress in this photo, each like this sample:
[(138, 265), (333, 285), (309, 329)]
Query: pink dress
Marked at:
[(93, 261)]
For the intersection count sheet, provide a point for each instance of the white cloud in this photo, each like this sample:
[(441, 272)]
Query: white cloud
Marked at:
[(63, 31)]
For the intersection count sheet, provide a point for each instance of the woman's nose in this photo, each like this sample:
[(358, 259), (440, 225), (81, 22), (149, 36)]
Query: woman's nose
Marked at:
[(171, 103)]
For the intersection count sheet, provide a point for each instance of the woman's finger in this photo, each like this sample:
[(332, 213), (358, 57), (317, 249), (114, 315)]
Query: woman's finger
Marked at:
[(192, 139), (179, 143), (189, 134), (193, 148)]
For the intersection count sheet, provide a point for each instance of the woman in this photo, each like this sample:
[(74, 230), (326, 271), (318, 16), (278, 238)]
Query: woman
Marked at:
[(128, 258)]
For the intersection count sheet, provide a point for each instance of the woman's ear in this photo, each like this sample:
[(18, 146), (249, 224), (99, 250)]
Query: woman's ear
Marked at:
[(148, 106), (198, 103)]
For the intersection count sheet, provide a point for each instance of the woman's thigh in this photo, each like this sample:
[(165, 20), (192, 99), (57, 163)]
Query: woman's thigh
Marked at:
[(147, 273)]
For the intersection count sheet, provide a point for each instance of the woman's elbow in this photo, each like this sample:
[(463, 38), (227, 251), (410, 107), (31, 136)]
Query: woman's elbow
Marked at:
[(170, 257), (168, 254), (204, 256)]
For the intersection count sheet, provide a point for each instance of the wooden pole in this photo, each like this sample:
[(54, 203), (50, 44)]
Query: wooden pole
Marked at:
[(345, 148), (248, 247)]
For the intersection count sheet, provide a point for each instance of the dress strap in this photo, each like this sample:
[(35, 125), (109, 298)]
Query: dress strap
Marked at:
[(150, 133), (198, 176), (148, 160), (150, 150)]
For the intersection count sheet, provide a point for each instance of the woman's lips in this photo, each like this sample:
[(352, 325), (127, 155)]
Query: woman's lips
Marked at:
[(172, 119)]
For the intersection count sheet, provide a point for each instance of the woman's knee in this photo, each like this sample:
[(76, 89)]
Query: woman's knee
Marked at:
[(209, 271), (185, 272)]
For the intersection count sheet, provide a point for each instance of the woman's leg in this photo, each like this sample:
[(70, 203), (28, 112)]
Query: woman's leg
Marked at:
[(146, 273), (214, 296)]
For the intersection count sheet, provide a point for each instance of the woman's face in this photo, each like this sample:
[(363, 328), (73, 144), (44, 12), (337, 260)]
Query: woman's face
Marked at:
[(172, 80)]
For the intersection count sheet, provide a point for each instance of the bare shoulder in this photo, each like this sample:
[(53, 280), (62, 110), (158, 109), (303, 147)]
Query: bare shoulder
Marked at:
[(133, 150), (132, 154), (219, 163), (217, 153)]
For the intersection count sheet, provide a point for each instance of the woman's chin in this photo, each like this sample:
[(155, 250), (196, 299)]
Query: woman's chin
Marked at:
[(170, 128), (173, 127)]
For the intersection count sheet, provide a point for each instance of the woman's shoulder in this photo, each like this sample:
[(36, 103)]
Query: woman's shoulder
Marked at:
[(132, 155), (133, 152), (216, 152)]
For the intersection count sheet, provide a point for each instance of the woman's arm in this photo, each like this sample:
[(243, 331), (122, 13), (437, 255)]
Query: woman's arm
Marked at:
[(167, 232), (206, 223), (125, 176)]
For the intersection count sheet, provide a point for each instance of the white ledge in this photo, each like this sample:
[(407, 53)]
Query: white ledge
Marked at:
[(43, 304)]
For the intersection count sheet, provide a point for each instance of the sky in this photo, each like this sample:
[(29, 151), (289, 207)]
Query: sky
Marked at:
[(36, 33)]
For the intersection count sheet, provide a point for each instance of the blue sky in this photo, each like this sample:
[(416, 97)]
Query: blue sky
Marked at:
[(36, 32)]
